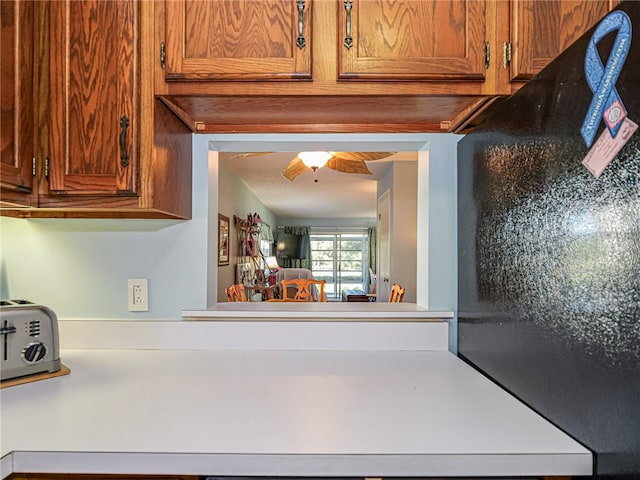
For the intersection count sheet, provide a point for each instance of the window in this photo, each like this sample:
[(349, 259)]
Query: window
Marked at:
[(341, 259), (265, 248)]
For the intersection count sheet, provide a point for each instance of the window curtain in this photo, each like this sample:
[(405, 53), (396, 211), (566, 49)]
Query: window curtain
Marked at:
[(266, 233), (305, 248), (372, 234)]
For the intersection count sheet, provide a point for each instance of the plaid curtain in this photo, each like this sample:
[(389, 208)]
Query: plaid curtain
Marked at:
[(305, 248)]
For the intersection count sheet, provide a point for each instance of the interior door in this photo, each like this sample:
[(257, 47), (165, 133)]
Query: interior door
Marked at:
[(384, 246)]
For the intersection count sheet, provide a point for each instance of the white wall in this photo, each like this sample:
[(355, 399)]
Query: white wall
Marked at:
[(80, 267), (401, 181), (403, 227), (443, 228), (234, 198)]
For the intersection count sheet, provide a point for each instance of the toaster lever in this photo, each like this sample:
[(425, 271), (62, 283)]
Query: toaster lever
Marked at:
[(7, 330)]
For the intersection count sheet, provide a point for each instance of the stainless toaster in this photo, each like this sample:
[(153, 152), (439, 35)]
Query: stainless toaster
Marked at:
[(28, 339)]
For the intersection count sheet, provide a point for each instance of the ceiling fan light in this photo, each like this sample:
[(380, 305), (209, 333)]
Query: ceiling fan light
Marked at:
[(315, 160)]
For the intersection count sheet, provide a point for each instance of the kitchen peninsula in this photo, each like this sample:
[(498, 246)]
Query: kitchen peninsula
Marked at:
[(365, 400)]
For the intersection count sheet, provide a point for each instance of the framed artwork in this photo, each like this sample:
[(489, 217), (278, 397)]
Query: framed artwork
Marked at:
[(223, 240)]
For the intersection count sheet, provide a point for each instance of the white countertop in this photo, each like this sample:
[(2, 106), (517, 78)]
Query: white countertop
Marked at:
[(277, 412), (344, 311)]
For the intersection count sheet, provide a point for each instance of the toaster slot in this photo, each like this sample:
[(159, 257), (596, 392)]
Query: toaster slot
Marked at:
[(6, 303)]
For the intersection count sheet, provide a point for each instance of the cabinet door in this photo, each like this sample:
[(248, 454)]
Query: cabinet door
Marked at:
[(93, 97), (238, 39), (542, 29), (17, 97), (411, 40)]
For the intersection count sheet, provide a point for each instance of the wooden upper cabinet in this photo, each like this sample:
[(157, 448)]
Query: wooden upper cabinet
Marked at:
[(94, 97), (77, 91), (238, 40), (412, 40), (542, 29), (17, 100)]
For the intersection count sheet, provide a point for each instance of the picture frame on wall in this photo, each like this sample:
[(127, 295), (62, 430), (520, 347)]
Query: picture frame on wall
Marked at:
[(223, 240)]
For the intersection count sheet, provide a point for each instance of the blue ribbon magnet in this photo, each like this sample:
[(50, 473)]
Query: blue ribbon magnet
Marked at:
[(606, 103)]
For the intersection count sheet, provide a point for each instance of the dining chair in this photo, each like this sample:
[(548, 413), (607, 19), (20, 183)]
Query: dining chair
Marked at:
[(397, 293), (236, 293), (304, 292)]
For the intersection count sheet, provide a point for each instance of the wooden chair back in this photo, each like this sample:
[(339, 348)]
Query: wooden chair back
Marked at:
[(397, 293), (236, 293), (304, 291)]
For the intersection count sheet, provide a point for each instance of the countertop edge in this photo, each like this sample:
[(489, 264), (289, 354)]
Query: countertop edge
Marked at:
[(6, 465), (328, 311), (317, 465)]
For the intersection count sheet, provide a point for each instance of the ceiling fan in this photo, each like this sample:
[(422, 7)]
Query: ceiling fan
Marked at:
[(345, 162)]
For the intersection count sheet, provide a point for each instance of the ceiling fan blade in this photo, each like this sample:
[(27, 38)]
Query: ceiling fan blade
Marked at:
[(295, 168), (366, 156), (250, 154), (348, 166)]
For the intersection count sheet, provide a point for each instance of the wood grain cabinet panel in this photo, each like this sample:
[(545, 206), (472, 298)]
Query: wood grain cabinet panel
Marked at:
[(218, 49), (412, 40), (93, 141), (542, 29), (105, 146), (17, 101), (377, 40), (238, 40)]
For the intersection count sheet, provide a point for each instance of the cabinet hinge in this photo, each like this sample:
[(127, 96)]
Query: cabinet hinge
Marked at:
[(33, 167), (487, 55), (506, 54), (46, 168), (163, 55)]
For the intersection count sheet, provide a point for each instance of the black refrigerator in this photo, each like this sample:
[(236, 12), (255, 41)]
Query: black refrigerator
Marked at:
[(549, 243)]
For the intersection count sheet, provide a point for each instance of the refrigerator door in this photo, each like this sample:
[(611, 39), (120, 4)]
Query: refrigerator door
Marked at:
[(549, 242)]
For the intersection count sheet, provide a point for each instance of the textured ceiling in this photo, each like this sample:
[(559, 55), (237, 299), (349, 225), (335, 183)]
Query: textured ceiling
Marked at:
[(333, 195)]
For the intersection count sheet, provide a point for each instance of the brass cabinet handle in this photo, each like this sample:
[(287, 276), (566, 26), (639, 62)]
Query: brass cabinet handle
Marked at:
[(300, 42), (124, 156), (348, 40), (487, 55), (506, 54)]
